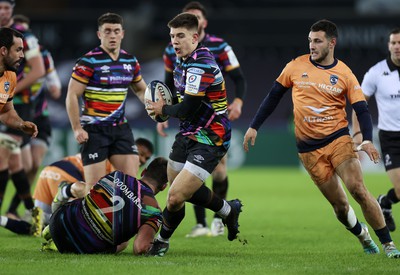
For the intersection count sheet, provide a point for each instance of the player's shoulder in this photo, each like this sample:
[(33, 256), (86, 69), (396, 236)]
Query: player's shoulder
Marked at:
[(212, 38), (380, 67)]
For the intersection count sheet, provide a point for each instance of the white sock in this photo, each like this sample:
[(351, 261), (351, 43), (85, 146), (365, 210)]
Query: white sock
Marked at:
[(351, 218), (3, 221), (225, 210), (161, 239)]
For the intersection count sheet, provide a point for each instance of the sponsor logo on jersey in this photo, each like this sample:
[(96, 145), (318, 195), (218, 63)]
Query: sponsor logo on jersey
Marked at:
[(198, 158), (196, 71), (318, 110), (128, 67), (304, 75), (105, 69), (193, 83), (330, 89), (333, 79), (6, 86)]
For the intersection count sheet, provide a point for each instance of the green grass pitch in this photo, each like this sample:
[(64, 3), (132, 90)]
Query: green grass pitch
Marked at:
[(286, 227)]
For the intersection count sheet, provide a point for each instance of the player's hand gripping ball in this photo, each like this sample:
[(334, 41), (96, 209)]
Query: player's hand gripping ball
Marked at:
[(152, 93)]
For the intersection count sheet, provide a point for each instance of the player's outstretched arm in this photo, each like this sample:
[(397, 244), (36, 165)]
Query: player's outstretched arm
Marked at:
[(251, 136), (143, 240)]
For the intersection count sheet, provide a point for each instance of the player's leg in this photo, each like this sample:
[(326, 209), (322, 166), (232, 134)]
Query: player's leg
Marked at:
[(38, 152), (350, 172), (220, 188), (390, 146)]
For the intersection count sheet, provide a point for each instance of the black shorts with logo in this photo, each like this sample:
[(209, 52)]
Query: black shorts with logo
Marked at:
[(105, 141), (390, 147), (202, 155)]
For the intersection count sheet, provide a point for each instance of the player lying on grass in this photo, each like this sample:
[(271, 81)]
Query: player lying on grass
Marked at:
[(117, 208)]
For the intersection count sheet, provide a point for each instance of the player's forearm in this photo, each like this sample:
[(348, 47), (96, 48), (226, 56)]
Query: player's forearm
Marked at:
[(72, 106), (11, 119), (239, 80)]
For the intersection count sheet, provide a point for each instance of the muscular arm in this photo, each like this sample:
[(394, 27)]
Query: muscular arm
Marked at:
[(37, 70), (139, 88), (143, 240), (75, 91), (9, 117)]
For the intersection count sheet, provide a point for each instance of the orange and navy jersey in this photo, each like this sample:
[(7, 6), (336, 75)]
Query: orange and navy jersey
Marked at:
[(70, 169), (107, 82), (319, 99), (8, 82)]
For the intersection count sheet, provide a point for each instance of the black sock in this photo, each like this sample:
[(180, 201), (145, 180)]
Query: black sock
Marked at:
[(23, 188), (14, 204), (220, 188), (3, 184), (171, 221), (391, 197), (19, 226), (356, 230), (206, 198), (200, 213), (383, 235)]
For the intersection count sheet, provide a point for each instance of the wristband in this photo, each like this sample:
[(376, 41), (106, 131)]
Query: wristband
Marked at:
[(359, 147)]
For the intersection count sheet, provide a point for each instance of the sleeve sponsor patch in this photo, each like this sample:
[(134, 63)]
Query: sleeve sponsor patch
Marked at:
[(192, 82)]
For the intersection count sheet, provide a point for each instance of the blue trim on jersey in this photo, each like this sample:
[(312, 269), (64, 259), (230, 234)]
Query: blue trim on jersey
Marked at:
[(222, 46), (94, 61)]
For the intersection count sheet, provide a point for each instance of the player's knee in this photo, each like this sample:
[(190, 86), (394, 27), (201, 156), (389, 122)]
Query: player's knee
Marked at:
[(174, 200)]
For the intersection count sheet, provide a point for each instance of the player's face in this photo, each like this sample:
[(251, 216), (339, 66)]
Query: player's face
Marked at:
[(6, 11), (111, 36), (144, 154), (394, 48), (202, 20), (14, 55), (184, 41), (320, 47)]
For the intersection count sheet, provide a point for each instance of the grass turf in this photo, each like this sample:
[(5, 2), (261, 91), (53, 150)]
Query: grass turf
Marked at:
[(286, 226)]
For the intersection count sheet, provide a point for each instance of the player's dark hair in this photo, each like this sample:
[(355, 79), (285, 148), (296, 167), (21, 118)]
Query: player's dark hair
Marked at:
[(157, 170), (20, 18), (395, 31), (194, 5), (146, 143), (7, 37), (110, 18), (12, 2), (326, 26), (184, 20)]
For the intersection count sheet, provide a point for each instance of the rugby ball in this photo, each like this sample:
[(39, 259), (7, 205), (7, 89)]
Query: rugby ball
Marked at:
[(152, 93)]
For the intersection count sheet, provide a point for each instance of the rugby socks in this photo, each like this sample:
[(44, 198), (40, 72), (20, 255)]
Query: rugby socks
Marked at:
[(3, 184), (171, 221), (356, 229), (66, 192), (200, 213), (19, 227), (14, 204), (220, 188), (389, 199), (206, 198), (23, 188), (383, 235)]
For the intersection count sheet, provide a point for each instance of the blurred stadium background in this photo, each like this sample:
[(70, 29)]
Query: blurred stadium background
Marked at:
[(265, 35)]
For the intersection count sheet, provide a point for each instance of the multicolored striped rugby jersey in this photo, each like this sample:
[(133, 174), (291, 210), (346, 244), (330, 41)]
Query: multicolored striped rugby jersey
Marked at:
[(107, 85), (31, 49), (222, 51), (199, 75), (38, 96), (110, 214)]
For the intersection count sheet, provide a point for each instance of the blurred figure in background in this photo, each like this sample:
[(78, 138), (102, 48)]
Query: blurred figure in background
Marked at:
[(382, 81)]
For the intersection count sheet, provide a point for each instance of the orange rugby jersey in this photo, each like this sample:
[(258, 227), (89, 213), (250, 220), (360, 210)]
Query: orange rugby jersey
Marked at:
[(319, 96), (8, 82)]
